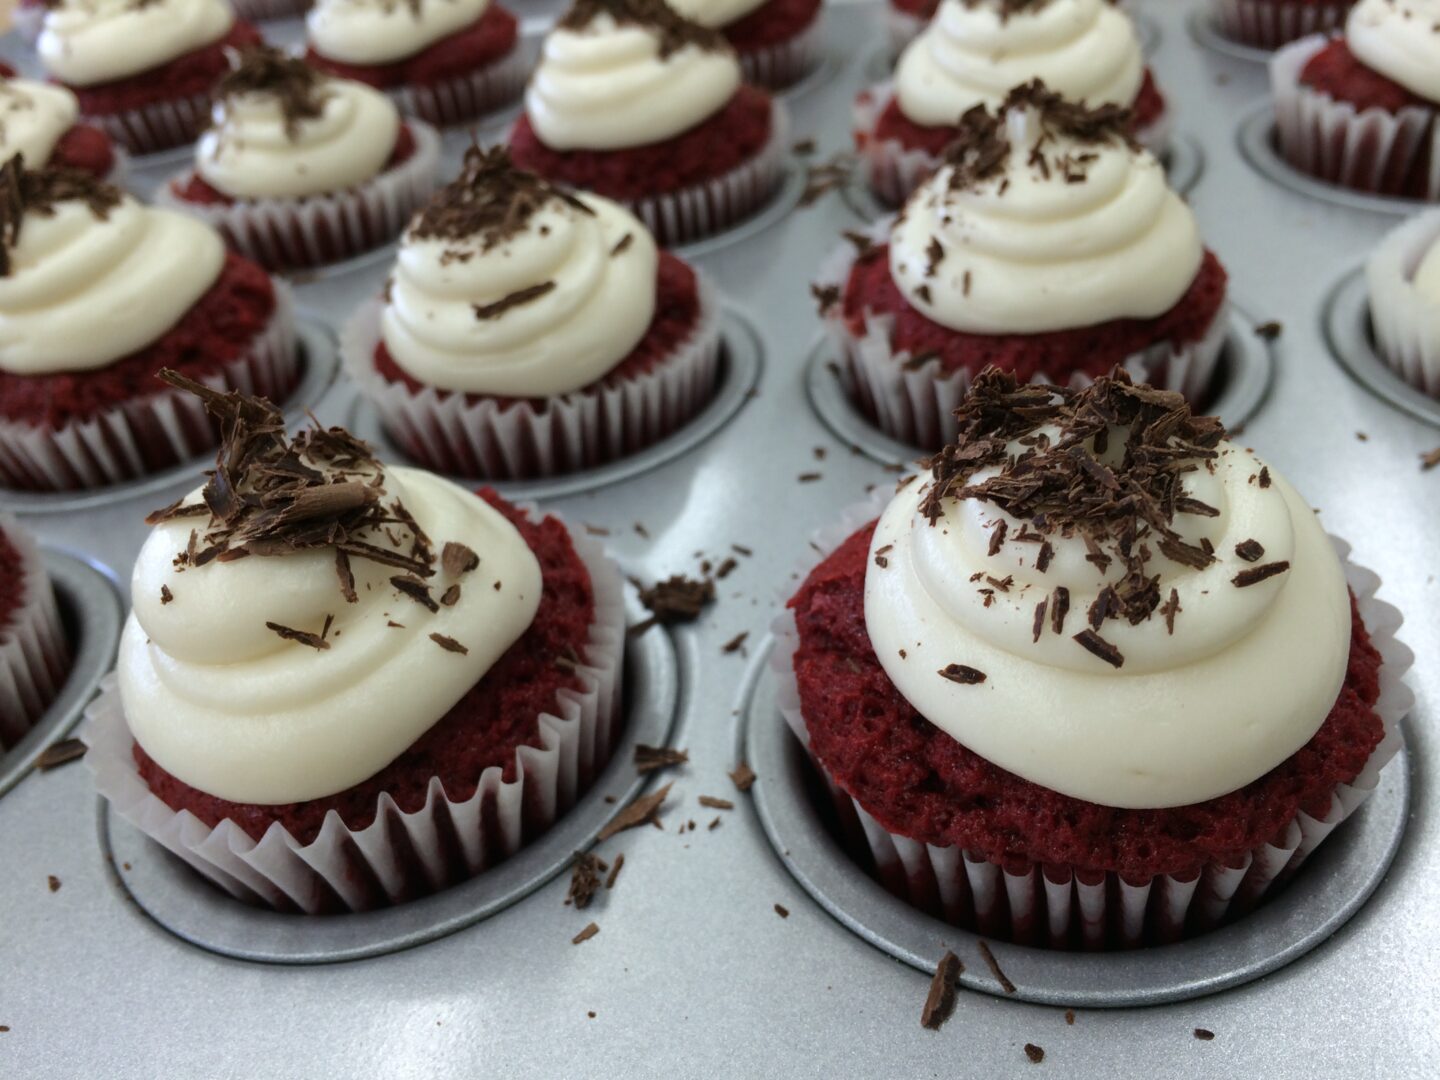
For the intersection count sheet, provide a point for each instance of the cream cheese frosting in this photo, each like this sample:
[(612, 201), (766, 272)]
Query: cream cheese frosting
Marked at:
[(386, 31), (34, 116), (86, 42), (87, 286), (608, 84), (1400, 40), (1031, 247), (545, 305), (233, 708), (1243, 677), (715, 13), (972, 53), (1427, 275)]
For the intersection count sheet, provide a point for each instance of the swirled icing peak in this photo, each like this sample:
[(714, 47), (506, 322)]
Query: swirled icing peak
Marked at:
[(87, 42), (1401, 40), (1096, 591), (34, 116), (384, 31)]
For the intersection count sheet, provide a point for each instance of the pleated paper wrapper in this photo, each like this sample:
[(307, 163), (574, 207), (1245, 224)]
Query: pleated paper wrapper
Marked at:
[(1269, 24), (34, 652), (464, 99), (782, 65), (1406, 324)]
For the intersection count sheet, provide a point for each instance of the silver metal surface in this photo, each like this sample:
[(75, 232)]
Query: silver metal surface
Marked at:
[(693, 972), (1308, 910), (1351, 339), (1204, 29)]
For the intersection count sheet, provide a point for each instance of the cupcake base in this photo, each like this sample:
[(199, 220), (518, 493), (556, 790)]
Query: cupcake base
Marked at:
[(1269, 24), (785, 63), (466, 98), (34, 653), (1406, 325)]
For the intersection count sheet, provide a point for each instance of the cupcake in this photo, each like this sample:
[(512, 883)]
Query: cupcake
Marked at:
[(1403, 276), (1268, 24), (635, 103), (905, 20), (527, 331), (444, 61), (777, 41), (41, 121), (1047, 244), (346, 684), (142, 69), (1099, 680), (300, 169), (972, 53), (99, 293), (34, 655), (1359, 110)]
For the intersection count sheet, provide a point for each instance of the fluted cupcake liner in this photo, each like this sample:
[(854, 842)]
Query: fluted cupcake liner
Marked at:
[(292, 234), (1060, 907), (34, 653), (259, 10), (468, 97), (152, 432), (916, 404), (161, 125), (901, 28), (573, 431), (400, 856), (785, 63), (1406, 324), (1269, 24), (1366, 150), (893, 171)]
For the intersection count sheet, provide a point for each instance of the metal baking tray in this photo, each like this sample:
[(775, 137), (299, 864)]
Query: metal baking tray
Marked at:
[(695, 971)]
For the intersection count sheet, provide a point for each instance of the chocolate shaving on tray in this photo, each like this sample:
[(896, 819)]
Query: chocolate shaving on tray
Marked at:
[(653, 758), (585, 935), (743, 777), (584, 879), (40, 191), (677, 599), (713, 803), (615, 871), (60, 753), (674, 32), (940, 1001), (640, 812), (299, 88), (994, 966)]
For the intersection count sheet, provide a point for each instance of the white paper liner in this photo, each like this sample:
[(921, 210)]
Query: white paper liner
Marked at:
[(785, 63), (291, 234), (158, 126), (573, 431), (1049, 907), (34, 652), (1373, 150), (892, 171), (1406, 324), (901, 28), (258, 10), (163, 429), (917, 406), (400, 855), (466, 97), (1269, 24)]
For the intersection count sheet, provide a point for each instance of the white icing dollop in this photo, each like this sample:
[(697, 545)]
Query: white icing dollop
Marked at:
[(86, 42), (34, 116), (1246, 679), (385, 31), (248, 154), (714, 13), (1027, 252), (231, 708), (1399, 39), (1084, 50), (1427, 275), (606, 86), (84, 291), (599, 304)]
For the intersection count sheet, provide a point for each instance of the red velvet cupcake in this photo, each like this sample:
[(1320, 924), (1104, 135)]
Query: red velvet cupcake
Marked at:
[(42, 123), (79, 351), (142, 72), (777, 41), (693, 154), (34, 655), (1016, 254), (1360, 110), (444, 61), (402, 685), (1228, 692), (527, 331), (1269, 24)]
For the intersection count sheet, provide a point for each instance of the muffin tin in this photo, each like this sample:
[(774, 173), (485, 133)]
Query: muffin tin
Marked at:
[(695, 970)]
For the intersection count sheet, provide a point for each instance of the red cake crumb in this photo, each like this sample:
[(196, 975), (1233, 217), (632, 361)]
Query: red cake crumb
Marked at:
[(919, 782), (772, 23), (498, 715), (85, 147), (921, 9), (478, 45), (677, 310), (11, 593), (185, 76), (895, 125), (725, 141), (1093, 350), (220, 327), (1338, 72), (194, 187)]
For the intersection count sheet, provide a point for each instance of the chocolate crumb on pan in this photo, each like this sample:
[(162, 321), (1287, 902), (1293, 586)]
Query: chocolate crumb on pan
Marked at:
[(743, 776), (1429, 460), (653, 758), (640, 812), (584, 879), (1204, 1034), (60, 753), (1070, 1017), (675, 600), (735, 644), (615, 871), (940, 1001), (713, 803), (782, 911), (1034, 1053), (994, 966), (53, 882), (585, 935), (1269, 331)]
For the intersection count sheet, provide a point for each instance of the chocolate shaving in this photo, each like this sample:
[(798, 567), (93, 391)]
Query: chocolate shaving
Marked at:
[(650, 759), (513, 300), (736, 643), (640, 812), (674, 32), (40, 191), (300, 637), (1204, 1034), (449, 644), (584, 879), (1249, 550), (416, 590), (940, 1001), (262, 70), (1257, 574), (994, 966), (1170, 609), (615, 871), (782, 911), (960, 673), (743, 777), (997, 538), (1034, 1053), (1268, 331), (165, 594), (677, 599), (450, 597), (1429, 460), (60, 753), (585, 935), (1264, 476), (1094, 643), (622, 245), (713, 803), (456, 559)]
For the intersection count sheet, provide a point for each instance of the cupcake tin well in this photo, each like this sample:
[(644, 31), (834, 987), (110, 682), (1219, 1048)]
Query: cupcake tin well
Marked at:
[(714, 956)]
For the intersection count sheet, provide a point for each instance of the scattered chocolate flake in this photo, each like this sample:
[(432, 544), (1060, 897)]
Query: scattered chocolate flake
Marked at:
[(596, 530), (804, 147), (1366, 438), (743, 777), (1268, 331), (457, 560), (826, 297), (1264, 476), (809, 477), (1429, 460), (712, 803), (674, 32), (713, 825), (640, 812), (584, 879), (513, 300), (346, 576), (725, 569), (415, 589), (300, 90), (622, 245), (741, 549), (165, 594), (449, 644), (880, 553), (1038, 627), (782, 911), (60, 753), (1047, 553), (677, 599), (586, 934), (1204, 1034), (450, 597), (940, 1001), (1249, 550), (960, 673), (1070, 1017), (1094, 643), (40, 191), (1170, 609), (650, 759), (615, 871), (52, 881), (1059, 608), (997, 538), (1034, 1053), (300, 637), (736, 643), (994, 966), (825, 177), (1257, 574)]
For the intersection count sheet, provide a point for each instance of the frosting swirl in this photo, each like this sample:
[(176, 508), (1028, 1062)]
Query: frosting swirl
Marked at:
[(235, 709), (1399, 39), (972, 53), (1427, 275), (1029, 247), (1220, 669), (384, 31), (86, 42), (34, 116), (607, 85), (715, 13)]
